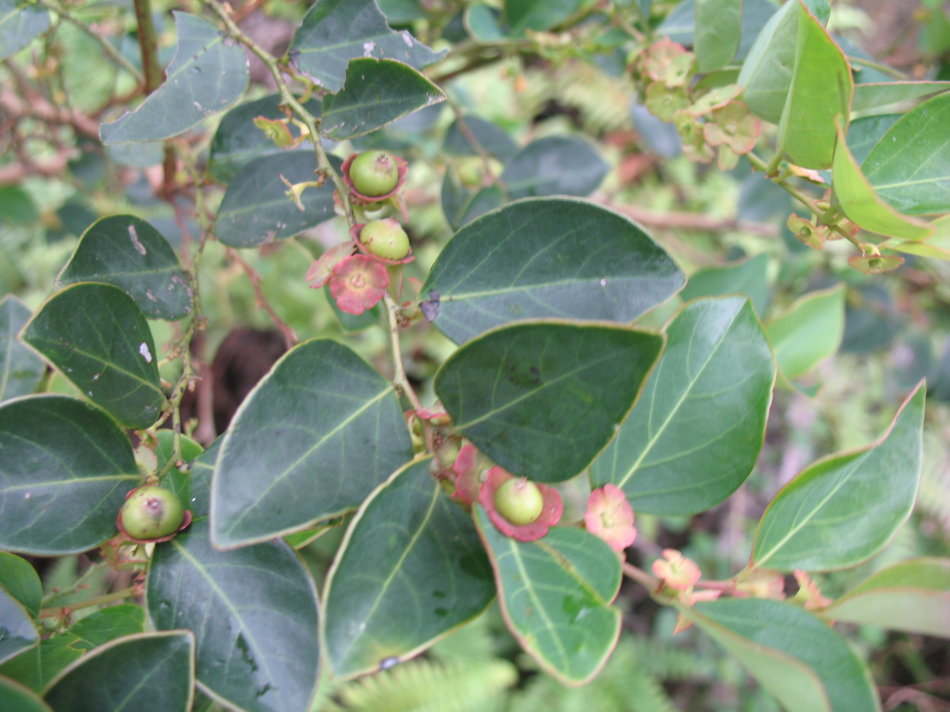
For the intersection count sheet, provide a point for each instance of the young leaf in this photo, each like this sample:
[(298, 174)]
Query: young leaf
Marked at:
[(695, 433), (554, 165), (542, 399), (547, 257), (208, 73), (129, 253), (19, 633), (20, 369), (809, 332), (98, 337), (719, 25), (254, 616), (316, 436), (430, 575), (19, 24), (65, 467), (845, 508), (555, 595)]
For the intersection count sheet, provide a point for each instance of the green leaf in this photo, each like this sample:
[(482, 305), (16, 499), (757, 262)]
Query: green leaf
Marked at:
[(913, 595), (540, 15), (809, 332), (844, 508), (461, 205), (21, 581), (20, 369), (313, 438), (430, 575), (672, 455), (17, 632), (766, 73), (861, 203), (491, 137), (19, 24), (910, 166), (820, 93), (254, 616), (334, 32), (65, 467), (865, 133), (936, 247), (548, 257), (794, 655), (15, 697), (679, 25), (555, 595), (880, 97), (132, 255), (237, 141), (719, 24), (256, 208), (483, 23), (554, 165), (542, 399), (97, 336), (208, 73), (748, 277), (147, 671), (376, 93)]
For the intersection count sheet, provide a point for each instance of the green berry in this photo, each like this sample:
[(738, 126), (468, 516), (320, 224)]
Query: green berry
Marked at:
[(385, 238), (519, 501), (151, 512), (374, 173)]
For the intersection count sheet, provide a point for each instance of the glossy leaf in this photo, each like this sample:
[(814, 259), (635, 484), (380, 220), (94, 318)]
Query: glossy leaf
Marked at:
[(130, 254), (547, 258), (256, 208), (491, 137), (148, 671), (20, 369), (671, 455), (910, 167), (65, 467), (794, 655), (913, 596), (860, 202), (97, 336), (376, 93), (18, 631), (554, 165), (540, 15), (254, 616), (716, 40), (748, 277), (542, 399), (208, 73), (21, 581), (14, 697), (334, 32), (809, 332), (844, 508), (555, 595), (875, 96), (430, 575), (315, 436), (19, 25)]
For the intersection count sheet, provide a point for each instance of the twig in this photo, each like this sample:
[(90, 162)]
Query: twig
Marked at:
[(693, 221), (290, 337), (400, 380)]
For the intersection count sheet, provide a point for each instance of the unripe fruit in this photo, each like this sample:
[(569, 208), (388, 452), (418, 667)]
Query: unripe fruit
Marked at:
[(150, 513), (519, 501), (385, 238), (374, 173)]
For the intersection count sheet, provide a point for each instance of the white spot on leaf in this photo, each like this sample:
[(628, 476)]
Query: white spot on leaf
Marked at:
[(146, 354), (136, 243), (368, 48)]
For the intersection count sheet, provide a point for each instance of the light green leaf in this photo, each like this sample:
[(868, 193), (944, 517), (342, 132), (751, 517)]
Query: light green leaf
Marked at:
[(717, 39), (555, 595), (844, 508), (20, 369), (20, 23), (431, 575), (680, 24), (670, 456), (766, 73), (554, 165), (748, 277), (881, 97), (542, 399), (18, 631), (15, 697), (809, 332), (208, 73), (21, 581), (936, 247)]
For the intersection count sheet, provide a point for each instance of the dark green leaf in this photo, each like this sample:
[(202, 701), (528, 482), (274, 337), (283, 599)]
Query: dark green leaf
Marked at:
[(864, 134), (717, 39), (208, 73), (334, 32), (253, 612), (809, 332), (19, 24), (748, 277), (547, 258), (14, 697), (461, 205), (316, 436), (494, 139), (540, 15), (97, 336), (20, 369), (555, 594), (376, 93), (256, 209), (694, 435), (876, 98), (17, 632), (542, 399), (844, 508), (430, 575), (555, 165), (795, 656), (65, 467), (194, 487), (21, 581), (132, 255), (147, 671)]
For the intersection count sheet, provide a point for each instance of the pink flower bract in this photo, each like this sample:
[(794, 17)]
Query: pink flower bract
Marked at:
[(676, 570), (357, 283), (550, 512), (467, 482), (610, 516)]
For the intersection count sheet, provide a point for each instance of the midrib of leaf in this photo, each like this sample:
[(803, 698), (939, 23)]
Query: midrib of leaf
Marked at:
[(129, 273), (142, 681), (542, 611), (324, 48), (108, 364)]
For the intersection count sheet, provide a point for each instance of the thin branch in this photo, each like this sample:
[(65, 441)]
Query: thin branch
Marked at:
[(693, 221), (290, 337), (400, 380)]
